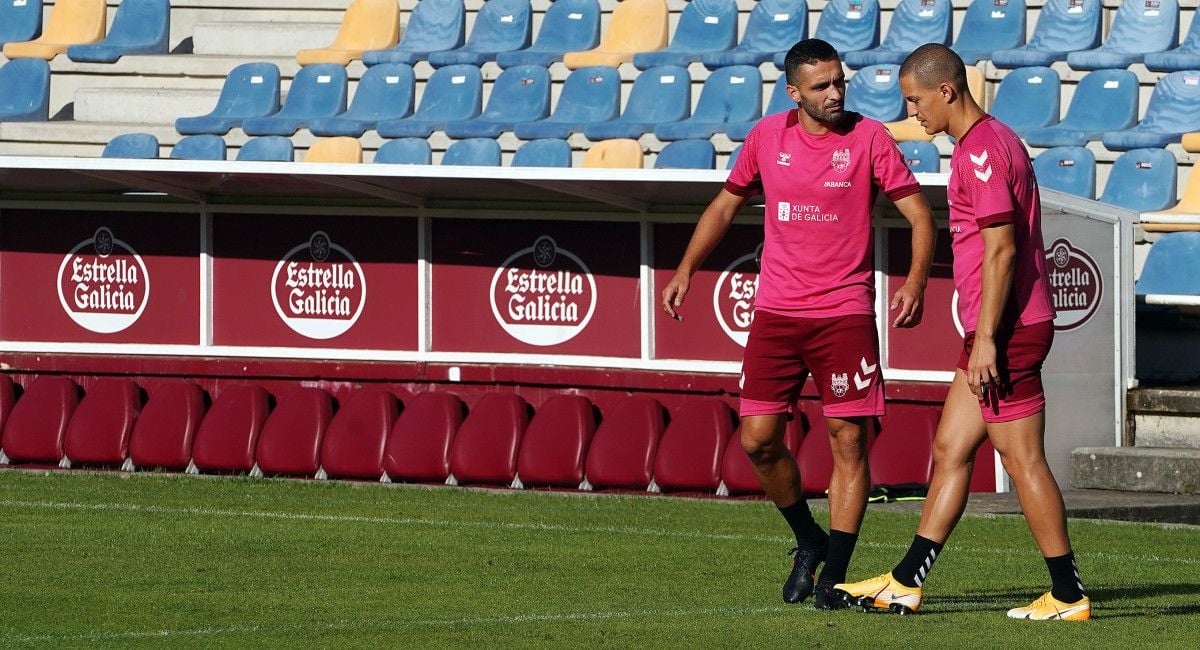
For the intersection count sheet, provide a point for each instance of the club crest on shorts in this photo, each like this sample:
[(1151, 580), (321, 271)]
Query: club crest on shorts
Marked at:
[(840, 383), (840, 160)]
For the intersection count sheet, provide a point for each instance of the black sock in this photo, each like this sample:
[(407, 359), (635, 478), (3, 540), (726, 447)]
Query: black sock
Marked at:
[(841, 547), (1067, 585), (808, 533), (917, 563)]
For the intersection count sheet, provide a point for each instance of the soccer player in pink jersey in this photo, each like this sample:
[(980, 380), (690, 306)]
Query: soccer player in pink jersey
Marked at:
[(819, 168), (1005, 305)]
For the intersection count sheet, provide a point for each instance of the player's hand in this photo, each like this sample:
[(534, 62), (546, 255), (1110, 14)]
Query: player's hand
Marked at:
[(673, 294), (983, 377), (909, 305)]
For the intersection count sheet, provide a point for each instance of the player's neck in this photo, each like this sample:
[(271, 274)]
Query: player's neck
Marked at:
[(964, 118)]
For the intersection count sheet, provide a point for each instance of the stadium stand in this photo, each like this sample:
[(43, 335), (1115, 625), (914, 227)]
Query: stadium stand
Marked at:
[(619, 153), (98, 434), (1104, 100), (1067, 169), (250, 90), (20, 21), (733, 157), (903, 449), (914, 23), (705, 26), (1142, 180), (909, 130), (25, 91), (689, 453), (1063, 26), (622, 452), (773, 26), (452, 93), (166, 428), (38, 422), (71, 22), (1170, 113), (544, 152), (500, 26), (354, 442), (405, 151), (567, 25), (1184, 57), (1189, 205), (1137, 29), (385, 92), (921, 156), (132, 145), (874, 91), (988, 26), (269, 148), (659, 95), (1167, 257), (737, 472), (140, 27), (486, 446), (317, 91), (1190, 142), (847, 25), (520, 94), (635, 26), (340, 149), (1028, 98), (290, 442), (228, 435), (418, 448), (687, 154), (730, 95), (780, 101), (368, 25), (589, 95), (478, 152), (199, 147), (433, 26), (556, 443)]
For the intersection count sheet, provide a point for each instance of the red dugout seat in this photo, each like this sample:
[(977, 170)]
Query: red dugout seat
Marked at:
[(353, 446), (485, 449), (553, 450), (689, 455), (983, 473), (902, 452), (166, 428), (622, 451), (737, 473), (815, 458), (418, 449), (290, 443), (101, 425), (8, 399), (229, 433), (35, 430)]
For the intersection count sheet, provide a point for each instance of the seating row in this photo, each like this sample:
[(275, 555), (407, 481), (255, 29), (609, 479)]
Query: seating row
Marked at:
[(78, 28)]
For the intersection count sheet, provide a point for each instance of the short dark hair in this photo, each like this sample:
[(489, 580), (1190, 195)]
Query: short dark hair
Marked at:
[(933, 64), (807, 52)]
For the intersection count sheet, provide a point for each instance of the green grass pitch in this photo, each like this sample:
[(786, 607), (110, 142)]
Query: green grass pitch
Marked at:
[(110, 559)]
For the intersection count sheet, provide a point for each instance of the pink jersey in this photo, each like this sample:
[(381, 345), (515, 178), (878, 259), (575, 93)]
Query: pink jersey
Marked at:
[(992, 181), (818, 254)]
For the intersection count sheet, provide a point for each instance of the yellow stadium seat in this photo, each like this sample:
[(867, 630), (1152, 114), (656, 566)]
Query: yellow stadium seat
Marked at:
[(71, 22), (636, 26), (1189, 205), (335, 150), (367, 25), (1191, 142), (909, 130), (621, 153)]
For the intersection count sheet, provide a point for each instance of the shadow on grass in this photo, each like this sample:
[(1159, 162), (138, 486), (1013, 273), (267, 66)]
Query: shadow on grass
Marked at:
[(1102, 596)]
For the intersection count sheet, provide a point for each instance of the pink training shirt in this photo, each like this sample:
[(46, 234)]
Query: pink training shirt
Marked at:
[(992, 181), (818, 252)]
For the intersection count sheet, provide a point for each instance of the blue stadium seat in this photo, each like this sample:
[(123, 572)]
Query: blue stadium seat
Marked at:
[(250, 90), (500, 26), (705, 26), (484, 152), (385, 92), (141, 146), (1028, 99), (921, 156), (914, 23), (1142, 180), (271, 148), (874, 91), (567, 26), (1067, 169), (773, 26), (989, 26), (848, 25), (1138, 28), (658, 96), (405, 151), (692, 153), (1170, 113), (1184, 57), (589, 95), (1104, 100), (1063, 26), (317, 91), (20, 22), (1170, 266), (779, 102), (732, 94), (520, 94), (452, 93), (140, 27), (433, 26), (546, 152), (733, 157), (25, 91), (199, 147)]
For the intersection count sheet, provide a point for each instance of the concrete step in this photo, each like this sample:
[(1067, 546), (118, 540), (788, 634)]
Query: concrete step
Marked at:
[(259, 38), (1138, 469), (141, 105), (1165, 417)]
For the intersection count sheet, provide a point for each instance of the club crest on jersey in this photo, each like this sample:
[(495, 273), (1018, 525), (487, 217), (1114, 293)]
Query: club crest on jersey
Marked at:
[(839, 384), (840, 160), (785, 159)]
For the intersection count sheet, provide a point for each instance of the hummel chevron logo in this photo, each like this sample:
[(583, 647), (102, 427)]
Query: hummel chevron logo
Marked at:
[(985, 174), (859, 382), (865, 368), (980, 159)]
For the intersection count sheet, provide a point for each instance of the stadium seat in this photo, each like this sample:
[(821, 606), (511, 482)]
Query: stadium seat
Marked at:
[(780, 101), (622, 451), (1170, 113), (914, 23), (433, 26), (25, 91), (20, 21), (546, 152), (452, 93), (354, 441), (38, 422), (71, 22), (478, 152), (1137, 28), (98, 434), (556, 442), (486, 446), (228, 435), (1104, 100), (988, 26), (1170, 265), (910, 130), (500, 26), (847, 25), (589, 95), (199, 147), (658, 96), (290, 442), (567, 25), (367, 25), (983, 474), (317, 91), (705, 26), (874, 91), (1191, 142), (621, 153), (733, 157), (270, 148), (1189, 204), (405, 151), (773, 26), (163, 434), (731, 94), (131, 145), (418, 448), (1142, 180), (1028, 99), (687, 154), (140, 27), (1067, 169), (1184, 57), (635, 26), (8, 399), (250, 90), (689, 454), (341, 149), (1063, 26), (921, 156), (903, 448), (520, 94), (737, 472), (385, 92)]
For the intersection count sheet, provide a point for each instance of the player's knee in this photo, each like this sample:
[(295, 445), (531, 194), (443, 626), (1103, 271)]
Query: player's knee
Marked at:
[(761, 446), (848, 443), (952, 454)]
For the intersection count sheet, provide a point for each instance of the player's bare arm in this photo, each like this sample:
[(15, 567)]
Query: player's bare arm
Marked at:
[(999, 254), (909, 300), (713, 225)]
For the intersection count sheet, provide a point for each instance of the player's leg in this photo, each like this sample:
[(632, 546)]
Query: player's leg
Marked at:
[(849, 487)]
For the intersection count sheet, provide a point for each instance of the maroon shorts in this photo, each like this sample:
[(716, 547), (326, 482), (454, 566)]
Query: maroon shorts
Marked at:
[(841, 352), (1019, 356)]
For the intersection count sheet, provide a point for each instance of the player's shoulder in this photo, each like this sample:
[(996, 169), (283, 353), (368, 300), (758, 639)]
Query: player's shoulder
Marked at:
[(991, 133), (773, 123)]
